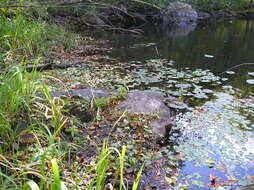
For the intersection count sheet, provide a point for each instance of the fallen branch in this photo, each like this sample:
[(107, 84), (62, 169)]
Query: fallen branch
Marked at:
[(236, 66), (146, 3), (134, 31), (50, 66)]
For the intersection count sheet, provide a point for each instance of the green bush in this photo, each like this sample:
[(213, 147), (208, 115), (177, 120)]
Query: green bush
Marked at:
[(218, 4)]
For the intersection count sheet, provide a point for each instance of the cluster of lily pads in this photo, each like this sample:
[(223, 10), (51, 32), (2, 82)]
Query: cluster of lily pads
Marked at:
[(185, 87), (220, 139), (214, 136)]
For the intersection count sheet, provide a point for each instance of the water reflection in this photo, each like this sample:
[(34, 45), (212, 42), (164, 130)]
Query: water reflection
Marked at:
[(176, 31), (223, 133), (222, 144), (231, 43)]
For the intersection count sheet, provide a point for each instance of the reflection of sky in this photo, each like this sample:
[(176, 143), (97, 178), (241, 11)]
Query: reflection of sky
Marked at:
[(189, 172), (218, 139)]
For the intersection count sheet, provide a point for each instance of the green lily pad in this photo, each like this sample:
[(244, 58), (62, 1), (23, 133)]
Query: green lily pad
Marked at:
[(183, 86), (250, 81), (230, 72), (251, 74)]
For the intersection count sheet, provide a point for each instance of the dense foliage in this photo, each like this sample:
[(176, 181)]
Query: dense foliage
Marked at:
[(198, 4)]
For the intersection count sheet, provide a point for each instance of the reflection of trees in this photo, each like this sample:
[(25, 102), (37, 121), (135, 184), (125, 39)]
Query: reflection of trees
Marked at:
[(183, 30), (231, 44)]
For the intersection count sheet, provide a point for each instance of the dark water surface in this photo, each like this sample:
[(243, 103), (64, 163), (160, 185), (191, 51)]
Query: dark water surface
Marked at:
[(229, 43), (223, 140)]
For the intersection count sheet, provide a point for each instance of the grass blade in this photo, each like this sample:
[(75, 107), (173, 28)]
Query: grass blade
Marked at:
[(57, 182), (136, 182), (63, 186), (122, 167), (31, 185)]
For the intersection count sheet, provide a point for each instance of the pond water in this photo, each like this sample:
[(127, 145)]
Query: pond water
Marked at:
[(215, 139), (218, 46)]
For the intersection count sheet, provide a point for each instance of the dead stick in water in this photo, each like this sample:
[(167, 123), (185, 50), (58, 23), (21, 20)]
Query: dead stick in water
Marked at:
[(236, 66), (50, 66)]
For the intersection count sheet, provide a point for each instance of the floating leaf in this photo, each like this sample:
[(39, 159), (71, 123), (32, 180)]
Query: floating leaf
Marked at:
[(250, 81), (250, 178), (251, 74), (171, 180), (224, 79), (198, 183), (183, 86), (209, 56), (207, 91), (230, 72)]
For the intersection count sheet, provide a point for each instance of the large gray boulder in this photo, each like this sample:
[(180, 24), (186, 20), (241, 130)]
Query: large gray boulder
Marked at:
[(180, 14), (137, 101), (148, 103)]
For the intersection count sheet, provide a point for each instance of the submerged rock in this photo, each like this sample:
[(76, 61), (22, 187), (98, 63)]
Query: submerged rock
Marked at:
[(175, 30), (149, 102), (179, 14)]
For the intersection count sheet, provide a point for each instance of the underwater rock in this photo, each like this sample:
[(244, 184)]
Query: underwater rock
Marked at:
[(148, 103), (179, 14), (175, 30)]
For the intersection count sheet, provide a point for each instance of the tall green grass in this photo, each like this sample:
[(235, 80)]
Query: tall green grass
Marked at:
[(24, 38), (56, 105), (17, 92), (99, 177), (25, 35), (54, 181)]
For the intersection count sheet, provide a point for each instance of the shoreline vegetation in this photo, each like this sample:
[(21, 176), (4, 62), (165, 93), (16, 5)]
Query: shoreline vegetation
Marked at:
[(44, 143)]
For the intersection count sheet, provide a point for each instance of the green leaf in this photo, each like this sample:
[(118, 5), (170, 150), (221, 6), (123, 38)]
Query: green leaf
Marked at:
[(31, 185), (57, 182)]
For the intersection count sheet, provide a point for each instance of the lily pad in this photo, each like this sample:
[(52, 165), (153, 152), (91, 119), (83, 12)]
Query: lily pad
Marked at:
[(251, 74), (208, 56), (224, 79), (183, 86), (250, 81), (230, 72), (207, 91)]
